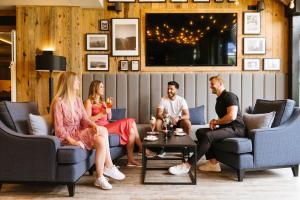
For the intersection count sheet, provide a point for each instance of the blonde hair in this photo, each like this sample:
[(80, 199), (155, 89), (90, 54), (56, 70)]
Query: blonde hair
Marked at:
[(217, 78), (93, 90), (65, 90)]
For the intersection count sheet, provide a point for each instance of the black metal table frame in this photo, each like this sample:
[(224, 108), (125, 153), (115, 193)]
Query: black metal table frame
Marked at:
[(193, 178)]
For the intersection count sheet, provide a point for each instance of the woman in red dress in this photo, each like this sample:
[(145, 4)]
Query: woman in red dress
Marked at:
[(100, 113)]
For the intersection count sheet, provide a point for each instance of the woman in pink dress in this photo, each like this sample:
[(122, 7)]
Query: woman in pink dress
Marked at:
[(99, 112), (73, 127)]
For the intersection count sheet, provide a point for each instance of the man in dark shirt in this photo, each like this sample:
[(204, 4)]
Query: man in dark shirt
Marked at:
[(229, 124)]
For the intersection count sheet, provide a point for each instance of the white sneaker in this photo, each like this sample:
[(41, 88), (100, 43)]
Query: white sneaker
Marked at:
[(209, 167), (179, 169), (114, 173), (103, 183)]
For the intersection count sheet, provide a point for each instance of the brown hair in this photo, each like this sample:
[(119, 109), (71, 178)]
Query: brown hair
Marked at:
[(217, 78), (93, 90)]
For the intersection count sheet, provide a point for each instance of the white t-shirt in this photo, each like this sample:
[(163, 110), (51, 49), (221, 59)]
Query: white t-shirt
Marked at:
[(173, 107)]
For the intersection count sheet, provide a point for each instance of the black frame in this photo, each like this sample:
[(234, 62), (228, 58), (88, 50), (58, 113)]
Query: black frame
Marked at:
[(139, 63), (244, 24), (106, 70), (120, 65), (90, 34), (138, 35), (100, 24)]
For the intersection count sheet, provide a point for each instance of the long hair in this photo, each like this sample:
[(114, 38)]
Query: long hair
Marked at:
[(65, 90), (93, 90)]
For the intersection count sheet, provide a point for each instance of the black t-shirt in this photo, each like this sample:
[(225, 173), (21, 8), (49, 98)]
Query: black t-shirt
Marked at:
[(227, 99)]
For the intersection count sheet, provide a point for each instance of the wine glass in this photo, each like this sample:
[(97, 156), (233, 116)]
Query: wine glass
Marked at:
[(152, 123), (109, 102)]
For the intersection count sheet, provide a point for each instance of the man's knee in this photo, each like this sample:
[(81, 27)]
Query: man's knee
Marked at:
[(203, 133)]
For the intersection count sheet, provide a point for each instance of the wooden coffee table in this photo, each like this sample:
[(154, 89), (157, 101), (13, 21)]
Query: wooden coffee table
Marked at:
[(181, 144)]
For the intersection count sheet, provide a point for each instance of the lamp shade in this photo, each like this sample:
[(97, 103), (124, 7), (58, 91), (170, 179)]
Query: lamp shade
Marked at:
[(49, 62)]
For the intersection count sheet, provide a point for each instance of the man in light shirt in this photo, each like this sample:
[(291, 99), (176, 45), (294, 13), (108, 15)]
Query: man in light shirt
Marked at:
[(176, 107)]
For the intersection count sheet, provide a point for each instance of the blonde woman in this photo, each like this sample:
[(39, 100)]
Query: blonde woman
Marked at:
[(98, 111), (73, 127)]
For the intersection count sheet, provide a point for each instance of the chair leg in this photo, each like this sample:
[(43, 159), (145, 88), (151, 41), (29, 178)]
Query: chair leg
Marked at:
[(240, 174), (71, 189), (295, 170)]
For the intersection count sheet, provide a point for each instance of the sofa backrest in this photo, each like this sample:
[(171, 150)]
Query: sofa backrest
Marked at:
[(15, 115), (140, 93)]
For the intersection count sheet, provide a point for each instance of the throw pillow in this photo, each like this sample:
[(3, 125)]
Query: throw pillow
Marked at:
[(118, 113), (283, 108), (40, 124), (197, 115), (257, 121)]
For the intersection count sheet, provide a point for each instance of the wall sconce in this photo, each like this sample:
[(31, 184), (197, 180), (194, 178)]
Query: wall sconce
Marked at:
[(260, 5), (116, 7), (292, 4)]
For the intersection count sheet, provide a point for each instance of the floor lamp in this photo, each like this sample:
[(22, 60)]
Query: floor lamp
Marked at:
[(49, 62)]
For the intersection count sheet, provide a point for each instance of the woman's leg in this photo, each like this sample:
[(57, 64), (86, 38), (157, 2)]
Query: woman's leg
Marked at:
[(104, 134), (130, 148), (137, 136), (100, 155)]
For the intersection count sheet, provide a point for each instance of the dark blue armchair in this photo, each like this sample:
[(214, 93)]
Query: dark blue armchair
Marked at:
[(28, 158)]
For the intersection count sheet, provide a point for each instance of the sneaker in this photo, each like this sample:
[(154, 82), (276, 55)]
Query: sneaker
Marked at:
[(179, 169), (103, 183), (161, 154), (209, 167), (114, 173)]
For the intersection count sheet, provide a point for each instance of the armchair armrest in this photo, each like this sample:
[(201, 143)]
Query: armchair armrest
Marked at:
[(277, 146), (27, 157)]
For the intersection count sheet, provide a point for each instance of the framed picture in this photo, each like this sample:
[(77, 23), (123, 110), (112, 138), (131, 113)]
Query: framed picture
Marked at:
[(135, 65), (110, 1), (104, 25), (231, 1), (252, 23), (97, 62), (271, 64), (151, 1), (251, 64), (125, 37), (201, 1), (124, 65), (253, 46), (219, 1), (179, 1), (95, 42)]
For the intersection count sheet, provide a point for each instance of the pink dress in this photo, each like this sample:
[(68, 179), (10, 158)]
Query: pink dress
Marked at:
[(121, 127), (77, 126)]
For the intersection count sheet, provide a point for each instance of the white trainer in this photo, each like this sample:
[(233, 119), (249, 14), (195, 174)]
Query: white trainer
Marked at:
[(179, 169), (209, 167), (114, 173), (103, 183)]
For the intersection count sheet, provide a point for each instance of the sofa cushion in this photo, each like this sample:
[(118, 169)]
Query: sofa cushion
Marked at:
[(118, 113), (114, 140), (257, 121), (40, 124), (71, 154), (197, 115), (15, 114), (234, 145), (283, 109)]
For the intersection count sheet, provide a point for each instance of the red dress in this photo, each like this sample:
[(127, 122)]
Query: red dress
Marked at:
[(121, 127)]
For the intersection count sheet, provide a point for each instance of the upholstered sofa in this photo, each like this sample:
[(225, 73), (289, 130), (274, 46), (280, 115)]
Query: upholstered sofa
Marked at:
[(41, 159)]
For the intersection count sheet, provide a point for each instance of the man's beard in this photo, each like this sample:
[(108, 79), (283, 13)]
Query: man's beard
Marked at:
[(171, 95)]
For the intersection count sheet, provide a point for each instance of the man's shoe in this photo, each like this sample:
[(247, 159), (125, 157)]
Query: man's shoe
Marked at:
[(209, 167), (114, 173), (179, 169), (103, 183)]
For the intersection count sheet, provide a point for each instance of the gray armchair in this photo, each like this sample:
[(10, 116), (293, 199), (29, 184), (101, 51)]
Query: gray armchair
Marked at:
[(28, 158), (267, 148)]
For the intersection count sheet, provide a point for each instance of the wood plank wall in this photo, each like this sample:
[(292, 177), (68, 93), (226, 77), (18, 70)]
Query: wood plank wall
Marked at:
[(64, 29)]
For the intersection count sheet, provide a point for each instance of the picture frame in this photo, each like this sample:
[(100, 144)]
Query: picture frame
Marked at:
[(124, 65), (219, 1), (135, 65), (252, 23), (179, 1), (104, 25), (251, 64), (201, 1), (254, 46), (125, 1), (125, 37), (151, 1), (272, 64), (231, 1), (96, 42), (96, 62)]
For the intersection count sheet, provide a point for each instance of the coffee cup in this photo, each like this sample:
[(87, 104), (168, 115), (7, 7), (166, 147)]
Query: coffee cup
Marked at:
[(179, 130)]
